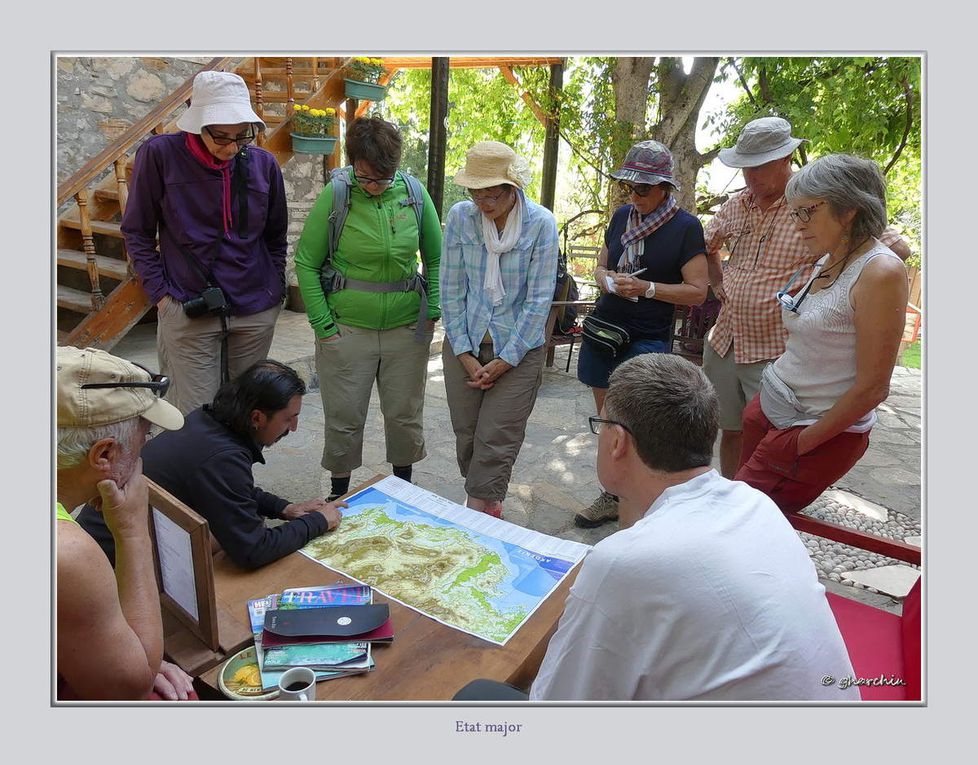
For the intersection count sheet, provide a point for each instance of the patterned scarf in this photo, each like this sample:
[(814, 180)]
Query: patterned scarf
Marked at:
[(637, 230), (196, 146)]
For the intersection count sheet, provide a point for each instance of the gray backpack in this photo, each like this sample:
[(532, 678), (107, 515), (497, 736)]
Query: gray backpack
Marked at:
[(332, 280)]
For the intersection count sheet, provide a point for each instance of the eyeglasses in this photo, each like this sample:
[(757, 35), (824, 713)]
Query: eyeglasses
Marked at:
[(159, 384), (375, 181), (804, 214), (638, 189), (483, 195), (597, 422), (226, 140), (793, 303)]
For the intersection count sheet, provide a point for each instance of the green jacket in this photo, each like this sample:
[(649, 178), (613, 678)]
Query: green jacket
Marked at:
[(379, 243)]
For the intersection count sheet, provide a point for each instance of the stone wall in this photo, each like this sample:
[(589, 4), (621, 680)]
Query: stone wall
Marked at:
[(98, 98)]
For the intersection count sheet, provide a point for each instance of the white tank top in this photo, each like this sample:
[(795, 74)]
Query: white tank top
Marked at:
[(819, 362)]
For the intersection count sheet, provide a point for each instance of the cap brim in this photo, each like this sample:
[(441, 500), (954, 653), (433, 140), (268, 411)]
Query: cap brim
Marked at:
[(164, 414), (733, 158), (475, 182), (196, 117), (634, 176)]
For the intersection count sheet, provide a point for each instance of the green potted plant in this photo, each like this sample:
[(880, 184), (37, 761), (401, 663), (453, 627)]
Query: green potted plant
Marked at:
[(311, 130), (363, 84)]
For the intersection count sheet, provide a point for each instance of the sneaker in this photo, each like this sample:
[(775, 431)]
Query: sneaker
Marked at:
[(602, 510)]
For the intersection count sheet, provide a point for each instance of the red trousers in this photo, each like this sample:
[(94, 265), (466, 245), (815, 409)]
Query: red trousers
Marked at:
[(769, 460)]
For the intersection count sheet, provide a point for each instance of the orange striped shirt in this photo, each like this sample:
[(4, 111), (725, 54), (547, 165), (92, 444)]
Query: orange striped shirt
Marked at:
[(765, 250)]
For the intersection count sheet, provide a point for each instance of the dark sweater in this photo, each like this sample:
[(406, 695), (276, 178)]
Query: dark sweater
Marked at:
[(209, 468)]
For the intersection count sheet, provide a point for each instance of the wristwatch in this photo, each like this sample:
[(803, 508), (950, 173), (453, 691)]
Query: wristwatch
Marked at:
[(650, 292)]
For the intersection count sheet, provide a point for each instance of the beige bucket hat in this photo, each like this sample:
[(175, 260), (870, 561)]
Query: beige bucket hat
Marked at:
[(490, 163), (762, 140)]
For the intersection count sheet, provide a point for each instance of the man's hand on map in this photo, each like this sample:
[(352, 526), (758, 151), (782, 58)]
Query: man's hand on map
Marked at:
[(332, 512), (298, 509)]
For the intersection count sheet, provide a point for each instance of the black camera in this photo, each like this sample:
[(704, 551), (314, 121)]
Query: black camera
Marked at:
[(210, 302)]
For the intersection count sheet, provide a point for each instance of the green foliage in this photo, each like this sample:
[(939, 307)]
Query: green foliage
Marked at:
[(855, 105), (483, 106), (911, 356)]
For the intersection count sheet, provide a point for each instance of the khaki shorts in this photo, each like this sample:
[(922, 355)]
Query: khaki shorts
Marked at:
[(735, 384)]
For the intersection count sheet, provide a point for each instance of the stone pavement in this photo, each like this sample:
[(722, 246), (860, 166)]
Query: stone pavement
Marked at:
[(554, 476)]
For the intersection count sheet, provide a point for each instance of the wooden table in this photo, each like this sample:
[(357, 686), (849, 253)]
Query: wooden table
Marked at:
[(426, 661)]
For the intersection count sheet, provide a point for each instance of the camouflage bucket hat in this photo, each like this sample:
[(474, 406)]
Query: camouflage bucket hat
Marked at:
[(647, 162)]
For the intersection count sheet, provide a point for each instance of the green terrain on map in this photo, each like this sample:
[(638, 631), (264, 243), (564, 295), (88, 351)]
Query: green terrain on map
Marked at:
[(443, 572)]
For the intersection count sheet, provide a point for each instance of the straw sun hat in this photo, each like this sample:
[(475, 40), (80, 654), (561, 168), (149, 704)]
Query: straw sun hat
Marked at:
[(490, 163), (218, 98)]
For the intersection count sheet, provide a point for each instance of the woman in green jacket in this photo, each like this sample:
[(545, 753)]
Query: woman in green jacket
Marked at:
[(374, 319)]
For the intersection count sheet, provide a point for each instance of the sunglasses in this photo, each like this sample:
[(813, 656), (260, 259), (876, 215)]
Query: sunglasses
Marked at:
[(638, 189), (793, 303), (226, 140), (159, 384)]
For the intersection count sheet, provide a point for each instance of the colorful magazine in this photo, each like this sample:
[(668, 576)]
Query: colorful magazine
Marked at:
[(340, 657)]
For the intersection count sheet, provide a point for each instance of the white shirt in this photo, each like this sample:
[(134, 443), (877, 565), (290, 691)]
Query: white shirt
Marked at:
[(711, 595)]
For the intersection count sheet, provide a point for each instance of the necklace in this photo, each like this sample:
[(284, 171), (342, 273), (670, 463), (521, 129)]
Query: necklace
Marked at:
[(843, 262)]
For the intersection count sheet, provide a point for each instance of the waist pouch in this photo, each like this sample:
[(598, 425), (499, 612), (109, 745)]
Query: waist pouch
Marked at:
[(778, 401), (604, 336)]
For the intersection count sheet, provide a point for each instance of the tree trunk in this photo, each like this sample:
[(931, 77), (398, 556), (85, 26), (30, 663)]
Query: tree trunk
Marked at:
[(630, 82), (681, 97)]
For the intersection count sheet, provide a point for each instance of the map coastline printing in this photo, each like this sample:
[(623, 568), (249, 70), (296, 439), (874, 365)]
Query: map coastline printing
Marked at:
[(463, 568)]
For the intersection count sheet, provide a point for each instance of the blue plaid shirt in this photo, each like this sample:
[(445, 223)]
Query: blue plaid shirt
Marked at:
[(529, 273)]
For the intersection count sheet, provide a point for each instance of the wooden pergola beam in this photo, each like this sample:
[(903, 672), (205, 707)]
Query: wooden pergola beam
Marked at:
[(469, 62), (525, 95)]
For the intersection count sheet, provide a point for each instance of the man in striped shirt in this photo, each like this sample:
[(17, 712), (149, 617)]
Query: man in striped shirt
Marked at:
[(764, 249)]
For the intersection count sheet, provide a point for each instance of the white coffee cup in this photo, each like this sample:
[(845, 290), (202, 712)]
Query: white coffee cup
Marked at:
[(297, 684)]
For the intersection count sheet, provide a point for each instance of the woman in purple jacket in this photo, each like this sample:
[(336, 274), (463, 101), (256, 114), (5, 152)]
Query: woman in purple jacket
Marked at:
[(218, 207)]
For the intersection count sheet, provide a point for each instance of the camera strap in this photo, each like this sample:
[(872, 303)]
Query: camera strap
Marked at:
[(225, 375)]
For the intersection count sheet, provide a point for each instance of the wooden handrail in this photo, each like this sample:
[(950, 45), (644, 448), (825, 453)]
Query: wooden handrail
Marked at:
[(95, 166)]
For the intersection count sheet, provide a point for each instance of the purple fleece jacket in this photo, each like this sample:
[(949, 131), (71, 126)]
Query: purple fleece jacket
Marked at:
[(175, 195)]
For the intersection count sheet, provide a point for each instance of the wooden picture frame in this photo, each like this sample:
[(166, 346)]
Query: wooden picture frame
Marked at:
[(204, 624)]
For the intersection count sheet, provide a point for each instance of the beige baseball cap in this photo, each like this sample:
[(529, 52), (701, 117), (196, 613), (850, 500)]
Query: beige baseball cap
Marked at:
[(96, 388)]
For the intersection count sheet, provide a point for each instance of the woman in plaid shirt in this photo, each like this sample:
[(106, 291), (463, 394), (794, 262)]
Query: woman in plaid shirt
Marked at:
[(498, 271)]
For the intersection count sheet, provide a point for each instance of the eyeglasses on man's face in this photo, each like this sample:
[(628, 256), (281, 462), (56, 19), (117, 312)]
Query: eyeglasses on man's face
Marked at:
[(159, 384), (487, 195), (226, 140), (804, 214), (638, 189), (597, 422)]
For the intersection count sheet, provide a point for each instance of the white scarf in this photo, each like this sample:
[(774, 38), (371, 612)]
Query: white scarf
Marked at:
[(497, 244)]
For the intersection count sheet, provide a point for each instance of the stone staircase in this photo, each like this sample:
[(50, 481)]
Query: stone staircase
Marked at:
[(97, 295)]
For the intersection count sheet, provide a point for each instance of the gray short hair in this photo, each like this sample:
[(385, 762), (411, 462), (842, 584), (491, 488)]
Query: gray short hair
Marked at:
[(846, 183), (75, 443), (669, 407)]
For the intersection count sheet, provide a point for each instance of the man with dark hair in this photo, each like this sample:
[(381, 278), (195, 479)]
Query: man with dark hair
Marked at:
[(706, 592), (208, 465)]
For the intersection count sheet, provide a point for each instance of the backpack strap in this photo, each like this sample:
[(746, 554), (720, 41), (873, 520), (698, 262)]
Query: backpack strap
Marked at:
[(415, 199), (339, 181)]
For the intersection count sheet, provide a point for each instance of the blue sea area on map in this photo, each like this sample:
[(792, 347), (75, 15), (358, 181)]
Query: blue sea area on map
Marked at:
[(531, 575)]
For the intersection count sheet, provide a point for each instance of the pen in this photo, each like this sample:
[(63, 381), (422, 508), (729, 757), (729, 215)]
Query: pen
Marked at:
[(635, 273)]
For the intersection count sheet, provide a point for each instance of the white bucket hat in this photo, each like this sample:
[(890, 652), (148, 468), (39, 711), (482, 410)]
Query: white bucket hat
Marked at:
[(762, 140), (490, 163), (219, 98)]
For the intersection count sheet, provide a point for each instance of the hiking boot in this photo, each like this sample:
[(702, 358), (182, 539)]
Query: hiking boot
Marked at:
[(602, 510)]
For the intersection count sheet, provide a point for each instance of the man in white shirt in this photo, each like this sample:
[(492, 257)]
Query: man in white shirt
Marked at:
[(706, 592)]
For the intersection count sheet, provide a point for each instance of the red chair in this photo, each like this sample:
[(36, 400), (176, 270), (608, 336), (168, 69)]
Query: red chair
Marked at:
[(884, 648)]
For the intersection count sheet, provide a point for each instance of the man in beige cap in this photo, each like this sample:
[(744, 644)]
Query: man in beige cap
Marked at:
[(765, 250), (109, 634)]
